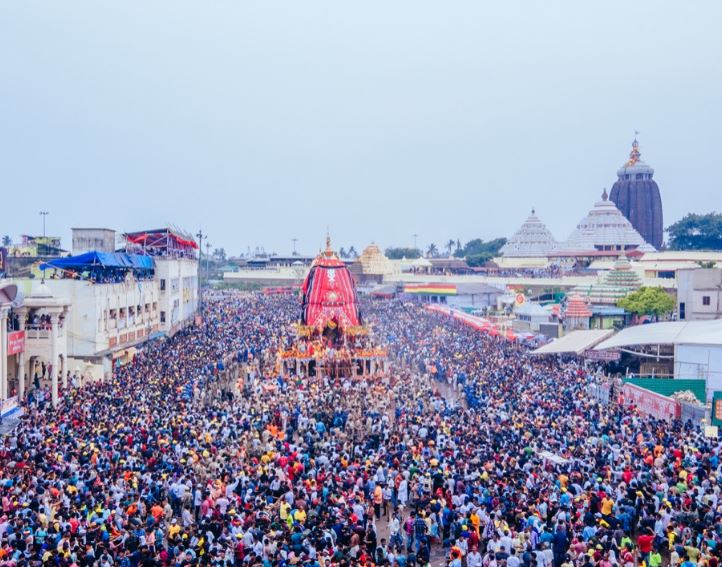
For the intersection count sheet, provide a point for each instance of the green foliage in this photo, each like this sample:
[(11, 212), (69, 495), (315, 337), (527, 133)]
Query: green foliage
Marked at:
[(477, 247), (7, 241), (399, 253), (478, 260), (707, 265), (432, 251), (696, 232), (648, 301)]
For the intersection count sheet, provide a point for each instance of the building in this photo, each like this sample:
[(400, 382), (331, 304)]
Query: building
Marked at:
[(176, 271), (699, 294), (637, 195), (93, 239), (613, 286), (371, 266), (37, 246), (532, 240), (604, 229), (529, 317), (461, 295), (687, 350), (114, 301), (664, 265), (576, 314)]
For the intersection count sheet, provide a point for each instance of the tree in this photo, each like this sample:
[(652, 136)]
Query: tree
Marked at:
[(477, 247), (432, 251), (653, 301), (342, 252), (478, 260), (450, 245), (219, 254), (696, 232), (399, 253), (352, 252), (7, 241)]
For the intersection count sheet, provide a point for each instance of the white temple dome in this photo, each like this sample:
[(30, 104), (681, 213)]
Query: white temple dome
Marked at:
[(533, 239), (605, 228)]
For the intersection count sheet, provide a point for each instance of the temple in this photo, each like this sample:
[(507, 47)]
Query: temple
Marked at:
[(331, 337), (637, 195), (533, 239), (605, 228)]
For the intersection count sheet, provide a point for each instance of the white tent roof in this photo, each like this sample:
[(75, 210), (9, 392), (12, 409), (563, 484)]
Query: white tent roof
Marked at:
[(575, 342), (677, 332)]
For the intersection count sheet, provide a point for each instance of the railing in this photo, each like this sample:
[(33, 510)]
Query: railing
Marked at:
[(41, 332)]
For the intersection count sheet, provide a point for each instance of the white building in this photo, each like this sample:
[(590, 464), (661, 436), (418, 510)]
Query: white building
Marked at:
[(101, 323), (605, 228), (699, 294), (93, 240), (176, 271), (532, 240), (177, 279)]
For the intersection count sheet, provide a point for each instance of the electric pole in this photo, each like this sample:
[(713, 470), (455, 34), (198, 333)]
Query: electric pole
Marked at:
[(415, 237), (44, 214), (294, 240), (200, 236)]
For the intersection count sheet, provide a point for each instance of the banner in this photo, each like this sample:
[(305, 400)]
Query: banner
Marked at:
[(16, 342), (651, 403)]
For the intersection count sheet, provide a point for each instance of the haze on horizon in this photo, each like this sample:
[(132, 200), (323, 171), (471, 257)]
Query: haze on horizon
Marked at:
[(262, 122)]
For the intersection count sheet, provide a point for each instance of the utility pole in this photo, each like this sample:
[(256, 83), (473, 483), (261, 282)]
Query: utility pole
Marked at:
[(415, 237), (44, 214), (294, 240), (200, 236)]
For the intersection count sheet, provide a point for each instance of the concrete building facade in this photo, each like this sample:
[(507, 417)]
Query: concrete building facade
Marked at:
[(699, 294)]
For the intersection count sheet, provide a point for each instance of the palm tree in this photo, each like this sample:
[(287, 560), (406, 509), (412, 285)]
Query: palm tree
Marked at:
[(342, 252), (450, 245), (7, 241), (432, 251), (352, 252)]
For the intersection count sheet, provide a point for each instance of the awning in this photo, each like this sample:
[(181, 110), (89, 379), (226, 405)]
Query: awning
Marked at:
[(575, 342), (102, 260), (674, 332)]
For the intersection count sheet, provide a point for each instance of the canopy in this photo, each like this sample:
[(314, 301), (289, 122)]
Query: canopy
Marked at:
[(575, 342), (676, 332), (102, 260)]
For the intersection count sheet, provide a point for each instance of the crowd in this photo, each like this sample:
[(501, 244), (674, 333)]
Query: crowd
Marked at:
[(467, 451)]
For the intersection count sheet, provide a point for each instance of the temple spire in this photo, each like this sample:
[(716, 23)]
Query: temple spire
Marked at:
[(635, 155), (605, 195)]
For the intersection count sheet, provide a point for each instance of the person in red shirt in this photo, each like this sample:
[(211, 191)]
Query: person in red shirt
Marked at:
[(644, 542)]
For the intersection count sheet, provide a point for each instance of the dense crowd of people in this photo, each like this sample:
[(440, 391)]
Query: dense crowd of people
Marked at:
[(467, 452)]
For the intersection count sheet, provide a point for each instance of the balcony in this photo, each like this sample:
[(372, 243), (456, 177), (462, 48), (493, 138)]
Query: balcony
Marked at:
[(41, 332)]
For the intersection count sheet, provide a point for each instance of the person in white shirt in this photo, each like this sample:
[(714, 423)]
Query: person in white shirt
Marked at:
[(474, 558)]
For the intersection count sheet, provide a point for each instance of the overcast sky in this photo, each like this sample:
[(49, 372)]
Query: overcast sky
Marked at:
[(265, 121)]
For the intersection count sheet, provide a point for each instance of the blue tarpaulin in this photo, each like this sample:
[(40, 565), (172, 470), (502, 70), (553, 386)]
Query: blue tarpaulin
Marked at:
[(101, 260)]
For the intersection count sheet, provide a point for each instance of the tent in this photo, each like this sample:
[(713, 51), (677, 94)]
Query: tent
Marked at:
[(101, 260), (575, 342)]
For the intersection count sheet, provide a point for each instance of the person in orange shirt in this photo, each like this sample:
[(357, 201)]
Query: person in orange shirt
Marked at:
[(378, 500)]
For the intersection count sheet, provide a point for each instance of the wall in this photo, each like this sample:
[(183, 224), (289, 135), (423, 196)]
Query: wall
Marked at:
[(177, 279), (693, 286), (90, 326)]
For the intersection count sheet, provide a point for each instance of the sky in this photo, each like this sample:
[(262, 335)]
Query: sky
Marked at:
[(260, 122)]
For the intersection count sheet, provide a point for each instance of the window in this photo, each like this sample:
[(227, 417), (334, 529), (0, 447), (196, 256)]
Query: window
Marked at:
[(162, 284), (162, 316), (682, 310), (706, 300)]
